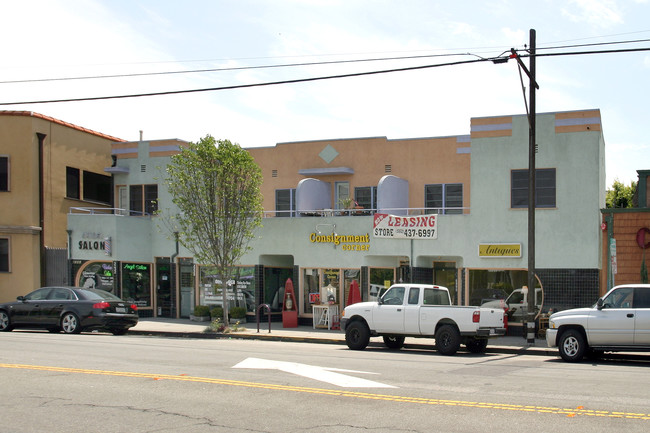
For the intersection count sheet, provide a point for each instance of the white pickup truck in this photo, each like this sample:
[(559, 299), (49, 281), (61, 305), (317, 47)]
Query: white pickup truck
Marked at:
[(421, 310)]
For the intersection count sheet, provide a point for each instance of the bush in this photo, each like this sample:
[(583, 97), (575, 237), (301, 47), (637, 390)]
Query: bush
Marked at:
[(238, 312), (201, 311), (216, 313)]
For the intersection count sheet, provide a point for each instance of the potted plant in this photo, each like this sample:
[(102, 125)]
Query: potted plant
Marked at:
[(201, 314), (216, 313), (237, 314)]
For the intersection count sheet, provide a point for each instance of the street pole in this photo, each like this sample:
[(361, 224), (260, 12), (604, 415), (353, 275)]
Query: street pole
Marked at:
[(530, 331)]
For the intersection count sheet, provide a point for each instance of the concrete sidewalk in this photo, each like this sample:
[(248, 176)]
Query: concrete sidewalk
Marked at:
[(184, 328)]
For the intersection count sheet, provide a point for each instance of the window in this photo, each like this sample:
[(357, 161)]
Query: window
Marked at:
[(366, 196), (544, 188), (72, 183), (446, 198), (4, 173), (143, 199), (4, 255), (285, 202), (97, 187), (414, 295)]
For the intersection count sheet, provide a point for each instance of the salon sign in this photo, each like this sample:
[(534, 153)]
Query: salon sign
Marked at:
[(405, 227)]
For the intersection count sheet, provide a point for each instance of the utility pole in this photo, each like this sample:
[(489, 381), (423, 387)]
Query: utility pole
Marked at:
[(530, 331)]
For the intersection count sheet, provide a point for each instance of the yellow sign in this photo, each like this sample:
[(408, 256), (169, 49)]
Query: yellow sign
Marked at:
[(499, 250)]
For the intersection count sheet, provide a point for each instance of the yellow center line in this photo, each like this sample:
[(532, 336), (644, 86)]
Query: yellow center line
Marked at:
[(570, 412)]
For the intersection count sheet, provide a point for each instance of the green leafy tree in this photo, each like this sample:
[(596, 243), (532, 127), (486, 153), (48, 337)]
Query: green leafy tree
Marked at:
[(620, 196), (216, 186)]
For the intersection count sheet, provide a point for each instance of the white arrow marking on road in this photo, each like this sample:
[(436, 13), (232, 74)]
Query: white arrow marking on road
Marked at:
[(323, 374)]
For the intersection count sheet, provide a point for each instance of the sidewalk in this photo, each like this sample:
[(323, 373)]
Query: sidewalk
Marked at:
[(184, 328)]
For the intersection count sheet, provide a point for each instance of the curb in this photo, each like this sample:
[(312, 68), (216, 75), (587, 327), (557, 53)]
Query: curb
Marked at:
[(268, 337)]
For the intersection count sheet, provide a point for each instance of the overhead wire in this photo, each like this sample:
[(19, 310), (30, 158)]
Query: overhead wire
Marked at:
[(498, 59)]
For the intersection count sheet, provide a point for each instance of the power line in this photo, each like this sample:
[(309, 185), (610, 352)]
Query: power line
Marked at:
[(499, 59), (244, 86), (238, 68)]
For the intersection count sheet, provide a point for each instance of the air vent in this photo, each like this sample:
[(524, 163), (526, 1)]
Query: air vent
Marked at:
[(274, 173), (388, 168), (143, 168)]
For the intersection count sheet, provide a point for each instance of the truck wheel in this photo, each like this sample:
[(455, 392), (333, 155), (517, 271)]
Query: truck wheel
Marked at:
[(447, 340), (476, 345), (394, 341), (357, 335), (572, 345)]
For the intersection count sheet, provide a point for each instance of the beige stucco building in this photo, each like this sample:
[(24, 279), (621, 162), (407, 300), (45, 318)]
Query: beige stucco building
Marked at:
[(47, 166)]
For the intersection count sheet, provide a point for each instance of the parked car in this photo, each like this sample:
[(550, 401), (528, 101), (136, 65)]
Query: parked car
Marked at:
[(619, 321), (69, 309)]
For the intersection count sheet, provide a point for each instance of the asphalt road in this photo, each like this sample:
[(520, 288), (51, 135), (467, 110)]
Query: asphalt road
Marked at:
[(100, 382)]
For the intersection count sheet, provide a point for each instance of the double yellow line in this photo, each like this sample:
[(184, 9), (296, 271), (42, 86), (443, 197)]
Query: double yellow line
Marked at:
[(572, 412)]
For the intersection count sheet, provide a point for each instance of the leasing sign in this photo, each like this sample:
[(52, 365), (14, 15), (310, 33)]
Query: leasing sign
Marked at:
[(405, 227)]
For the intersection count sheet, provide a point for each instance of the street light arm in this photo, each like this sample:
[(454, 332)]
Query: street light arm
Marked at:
[(515, 56)]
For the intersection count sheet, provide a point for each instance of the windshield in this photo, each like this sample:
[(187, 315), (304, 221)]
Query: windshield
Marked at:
[(97, 295)]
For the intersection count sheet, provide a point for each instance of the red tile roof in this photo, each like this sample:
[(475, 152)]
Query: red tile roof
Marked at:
[(60, 122)]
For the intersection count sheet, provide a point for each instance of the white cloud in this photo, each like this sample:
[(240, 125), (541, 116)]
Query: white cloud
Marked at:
[(600, 13)]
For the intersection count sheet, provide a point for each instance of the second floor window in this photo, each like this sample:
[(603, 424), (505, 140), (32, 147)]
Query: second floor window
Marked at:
[(444, 198), (544, 188), (4, 255), (4, 173), (366, 196), (285, 202), (143, 199)]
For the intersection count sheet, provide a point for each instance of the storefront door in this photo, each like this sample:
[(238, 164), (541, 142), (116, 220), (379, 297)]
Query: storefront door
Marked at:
[(163, 287)]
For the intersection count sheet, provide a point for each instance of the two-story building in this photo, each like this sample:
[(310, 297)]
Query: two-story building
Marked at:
[(444, 210), (46, 167)]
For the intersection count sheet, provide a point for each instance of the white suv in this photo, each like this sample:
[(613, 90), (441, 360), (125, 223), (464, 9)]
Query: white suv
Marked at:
[(620, 321)]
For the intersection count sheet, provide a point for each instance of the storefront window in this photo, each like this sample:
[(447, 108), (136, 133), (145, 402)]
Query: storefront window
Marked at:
[(331, 282), (505, 289), (96, 275), (310, 289), (380, 280), (350, 275), (136, 283), (241, 287), (444, 274)]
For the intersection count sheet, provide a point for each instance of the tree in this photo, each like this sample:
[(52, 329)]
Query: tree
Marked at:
[(620, 196), (216, 186)]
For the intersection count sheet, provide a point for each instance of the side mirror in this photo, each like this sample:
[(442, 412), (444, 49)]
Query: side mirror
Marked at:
[(599, 303), (20, 298), (380, 301)]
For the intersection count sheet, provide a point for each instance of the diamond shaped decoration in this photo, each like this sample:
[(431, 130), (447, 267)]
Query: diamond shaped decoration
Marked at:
[(328, 154)]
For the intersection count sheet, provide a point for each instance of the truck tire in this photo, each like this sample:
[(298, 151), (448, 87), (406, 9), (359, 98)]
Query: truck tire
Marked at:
[(394, 341), (357, 335), (447, 340), (476, 345), (572, 345)]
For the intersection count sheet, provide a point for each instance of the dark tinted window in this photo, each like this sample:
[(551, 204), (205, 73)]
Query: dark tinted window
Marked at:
[(642, 297), (4, 255), (97, 187), (72, 182), (97, 295), (4, 173)]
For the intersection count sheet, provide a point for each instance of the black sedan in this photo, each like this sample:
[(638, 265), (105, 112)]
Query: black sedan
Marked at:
[(69, 309)]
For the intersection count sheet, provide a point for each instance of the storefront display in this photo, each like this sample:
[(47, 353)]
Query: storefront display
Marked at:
[(136, 284)]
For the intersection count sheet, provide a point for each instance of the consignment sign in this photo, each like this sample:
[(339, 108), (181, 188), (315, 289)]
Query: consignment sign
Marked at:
[(405, 227)]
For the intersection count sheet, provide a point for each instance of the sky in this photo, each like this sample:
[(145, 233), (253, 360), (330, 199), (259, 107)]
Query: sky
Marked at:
[(48, 42)]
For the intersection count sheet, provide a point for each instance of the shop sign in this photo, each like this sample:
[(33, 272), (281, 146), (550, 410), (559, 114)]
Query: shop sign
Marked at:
[(405, 227), (347, 242), (492, 251)]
